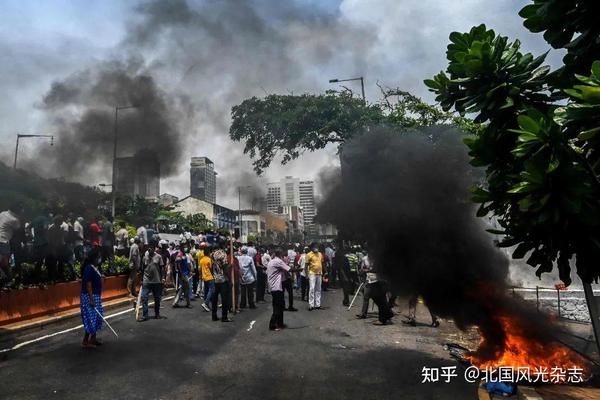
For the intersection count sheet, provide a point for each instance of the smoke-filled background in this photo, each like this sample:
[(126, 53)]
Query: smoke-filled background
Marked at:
[(406, 195), (66, 65)]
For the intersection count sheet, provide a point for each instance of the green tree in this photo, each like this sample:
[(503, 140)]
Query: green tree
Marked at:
[(288, 125), (540, 155)]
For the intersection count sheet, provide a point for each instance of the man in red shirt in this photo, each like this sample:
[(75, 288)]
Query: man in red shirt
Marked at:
[(95, 231)]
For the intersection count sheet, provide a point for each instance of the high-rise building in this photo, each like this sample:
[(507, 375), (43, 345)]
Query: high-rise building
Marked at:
[(138, 176), (292, 192), (203, 179), (307, 201)]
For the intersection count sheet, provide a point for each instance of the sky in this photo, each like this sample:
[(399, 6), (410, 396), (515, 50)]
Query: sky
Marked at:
[(203, 57)]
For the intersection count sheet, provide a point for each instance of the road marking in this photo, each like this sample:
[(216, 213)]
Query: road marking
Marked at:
[(39, 339)]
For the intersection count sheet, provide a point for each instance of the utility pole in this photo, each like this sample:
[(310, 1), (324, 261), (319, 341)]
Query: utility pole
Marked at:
[(20, 136), (240, 209), (362, 85)]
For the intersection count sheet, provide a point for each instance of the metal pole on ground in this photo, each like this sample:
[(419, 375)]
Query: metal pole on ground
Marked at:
[(355, 294), (232, 271)]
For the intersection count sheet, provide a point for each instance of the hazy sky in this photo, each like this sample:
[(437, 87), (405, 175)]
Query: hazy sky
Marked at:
[(206, 56)]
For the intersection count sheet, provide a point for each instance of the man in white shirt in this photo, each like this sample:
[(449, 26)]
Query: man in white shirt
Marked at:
[(78, 230), (122, 237)]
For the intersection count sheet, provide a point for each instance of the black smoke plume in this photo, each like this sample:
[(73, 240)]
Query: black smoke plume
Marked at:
[(194, 60), (82, 109), (406, 195)]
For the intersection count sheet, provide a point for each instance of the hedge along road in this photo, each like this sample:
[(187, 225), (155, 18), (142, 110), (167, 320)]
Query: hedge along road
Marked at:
[(322, 353)]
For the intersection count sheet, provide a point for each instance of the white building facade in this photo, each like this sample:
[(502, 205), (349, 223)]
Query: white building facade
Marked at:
[(290, 192)]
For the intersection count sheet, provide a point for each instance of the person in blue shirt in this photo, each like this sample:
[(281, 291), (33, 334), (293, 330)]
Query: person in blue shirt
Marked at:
[(91, 298), (185, 273)]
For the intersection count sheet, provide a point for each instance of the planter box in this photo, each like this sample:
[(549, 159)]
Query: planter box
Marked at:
[(19, 305)]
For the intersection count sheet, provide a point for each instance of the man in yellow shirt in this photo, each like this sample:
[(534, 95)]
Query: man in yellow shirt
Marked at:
[(208, 280), (314, 261)]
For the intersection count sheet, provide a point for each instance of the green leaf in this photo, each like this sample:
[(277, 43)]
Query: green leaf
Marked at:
[(590, 94), (573, 93), (589, 134), (528, 11), (528, 124), (553, 165), (521, 251), (432, 84), (520, 187), (596, 69)]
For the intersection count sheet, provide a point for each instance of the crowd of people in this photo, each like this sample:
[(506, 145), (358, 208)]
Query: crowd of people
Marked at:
[(217, 271)]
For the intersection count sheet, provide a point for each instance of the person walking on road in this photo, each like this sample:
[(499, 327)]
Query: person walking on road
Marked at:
[(220, 273), (135, 260), (314, 260), (184, 274), (91, 299), (276, 272), (208, 279), (152, 282), (375, 290), (248, 278)]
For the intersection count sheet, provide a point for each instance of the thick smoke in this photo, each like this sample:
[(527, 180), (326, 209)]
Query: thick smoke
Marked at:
[(406, 195), (194, 60), (82, 110)]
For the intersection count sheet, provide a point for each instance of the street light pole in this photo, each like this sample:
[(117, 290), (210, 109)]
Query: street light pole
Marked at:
[(362, 84), (114, 166), (19, 136), (240, 207)]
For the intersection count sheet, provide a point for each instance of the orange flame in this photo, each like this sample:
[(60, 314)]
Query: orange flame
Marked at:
[(522, 351)]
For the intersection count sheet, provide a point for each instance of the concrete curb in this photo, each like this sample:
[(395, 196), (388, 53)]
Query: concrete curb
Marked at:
[(12, 333)]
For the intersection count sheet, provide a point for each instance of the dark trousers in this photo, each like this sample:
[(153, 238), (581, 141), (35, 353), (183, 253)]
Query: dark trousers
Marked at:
[(156, 289), (376, 291), (107, 254), (347, 287), (367, 295), (278, 307), (304, 287), (287, 286), (221, 289), (195, 282), (261, 285), (55, 265), (247, 294), (236, 306), (333, 277)]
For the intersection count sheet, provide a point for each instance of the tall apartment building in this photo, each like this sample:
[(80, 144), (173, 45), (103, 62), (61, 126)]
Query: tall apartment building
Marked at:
[(138, 176), (203, 179), (292, 192), (307, 201)]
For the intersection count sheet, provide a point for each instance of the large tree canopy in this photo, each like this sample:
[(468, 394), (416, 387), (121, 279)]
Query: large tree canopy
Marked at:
[(288, 125), (542, 177), (292, 124)]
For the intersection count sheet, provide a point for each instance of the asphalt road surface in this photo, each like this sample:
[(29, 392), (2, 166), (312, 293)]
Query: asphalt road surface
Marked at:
[(324, 354)]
